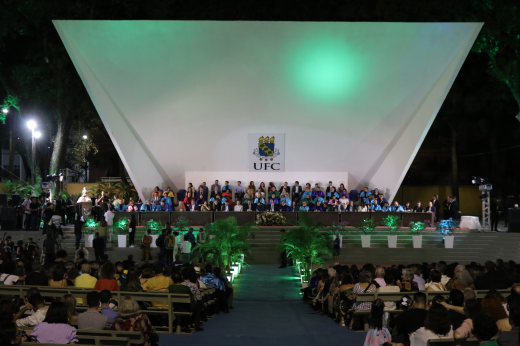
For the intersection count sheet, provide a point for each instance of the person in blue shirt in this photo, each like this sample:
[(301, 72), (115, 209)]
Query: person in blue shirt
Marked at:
[(166, 207), (318, 199), (381, 200), (146, 206), (318, 207), (259, 203), (121, 206), (395, 207), (226, 187), (385, 207), (374, 206), (365, 193), (307, 192), (332, 192), (304, 207), (167, 200), (286, 199)]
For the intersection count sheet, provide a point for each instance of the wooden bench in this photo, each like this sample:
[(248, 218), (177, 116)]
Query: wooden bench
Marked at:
[(134, 338), (454, 342), (150, 296), (93, 340)]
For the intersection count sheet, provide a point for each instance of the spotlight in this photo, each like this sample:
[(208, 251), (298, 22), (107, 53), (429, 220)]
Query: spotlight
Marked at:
[(5, 110), (473, 180), (31, 124), (85, 137), (37, 134)]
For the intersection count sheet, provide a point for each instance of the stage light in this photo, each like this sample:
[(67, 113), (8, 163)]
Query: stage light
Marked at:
[(473, 180), (31, 124), (85, 137), (37, 134), (5, 110)]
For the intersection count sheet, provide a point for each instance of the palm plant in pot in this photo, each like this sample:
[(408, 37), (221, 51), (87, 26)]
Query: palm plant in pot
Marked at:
[(417, 227), (393, 222), (121, 229), (155, 227), (306, 244), (89, 229), (446, 228), (226, 242)]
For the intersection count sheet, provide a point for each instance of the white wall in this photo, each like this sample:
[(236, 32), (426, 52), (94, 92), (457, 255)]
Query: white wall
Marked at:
[(180, 96)]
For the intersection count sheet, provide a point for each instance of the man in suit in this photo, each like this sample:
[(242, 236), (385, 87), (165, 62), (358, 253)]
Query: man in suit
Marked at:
[(296, 192), (226, 207), (454, 209), (330, 187), (431, 209), (446, 208), (284, 186), (495, 213), (418, 208), (204, 189), (437, 205), (214, 192), (215, 185), (351, 207), (284, 207)]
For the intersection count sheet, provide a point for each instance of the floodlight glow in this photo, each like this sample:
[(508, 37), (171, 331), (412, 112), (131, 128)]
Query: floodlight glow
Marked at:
[(5, 110), (85, 137), (37, 134), (31, 124)]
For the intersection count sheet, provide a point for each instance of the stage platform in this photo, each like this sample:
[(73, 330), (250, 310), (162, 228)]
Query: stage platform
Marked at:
[(469, 245)]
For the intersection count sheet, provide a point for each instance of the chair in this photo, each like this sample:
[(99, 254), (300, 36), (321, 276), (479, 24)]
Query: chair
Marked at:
[(354, 195), (372, 191), (180, 195)]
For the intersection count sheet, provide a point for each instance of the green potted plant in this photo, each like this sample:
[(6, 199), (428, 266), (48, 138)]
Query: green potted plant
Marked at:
[(417, 227), (446, 228), (155, 227), (89, 229), (226, 243), (306, 244), (393, 222), (121, 229), (366, 227)]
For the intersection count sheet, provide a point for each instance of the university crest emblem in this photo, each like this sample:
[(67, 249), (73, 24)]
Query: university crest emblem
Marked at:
[(266, 150)]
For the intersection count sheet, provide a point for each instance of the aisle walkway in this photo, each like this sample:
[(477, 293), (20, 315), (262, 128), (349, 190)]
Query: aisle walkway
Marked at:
[(268, 312)]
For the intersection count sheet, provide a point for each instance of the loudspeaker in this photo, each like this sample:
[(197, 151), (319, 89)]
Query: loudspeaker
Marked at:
[(511, 201), (3, 199), (8, 214), (513, 215), (15, 199), (513, 227)]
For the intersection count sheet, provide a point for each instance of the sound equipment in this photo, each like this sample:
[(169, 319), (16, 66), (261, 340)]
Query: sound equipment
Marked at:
[(15, 199), (3, 199), (513, 224), (511, 201)]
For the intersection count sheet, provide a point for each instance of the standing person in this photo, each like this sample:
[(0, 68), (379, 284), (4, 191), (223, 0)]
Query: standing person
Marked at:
[(70, 210), (78, 225), (169, 244), (336, 244), (495, 213), (454, 208), (109, 218), (103, 232), (35, 212), (446, 208), (283, 255), (147, 241), (99, 246), (186, 250), (378, 333), (26, 206), (437, 205), (131, 231), (49, 248)]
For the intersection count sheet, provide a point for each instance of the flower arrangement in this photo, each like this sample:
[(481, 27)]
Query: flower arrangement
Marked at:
[(122, 226), (155, 226), (270, 219), (393, 222), (367, 226), (417, 226), (181, 223), (90, 226), (446, 227)]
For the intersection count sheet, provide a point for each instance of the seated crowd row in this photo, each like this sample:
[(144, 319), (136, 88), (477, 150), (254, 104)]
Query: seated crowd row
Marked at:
[(333, 291)]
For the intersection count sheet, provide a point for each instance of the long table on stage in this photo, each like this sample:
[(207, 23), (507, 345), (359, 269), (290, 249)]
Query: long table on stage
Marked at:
[(201, 218)]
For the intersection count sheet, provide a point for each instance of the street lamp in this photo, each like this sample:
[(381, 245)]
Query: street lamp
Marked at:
[(85, 137), (35, 134), (5, 110)]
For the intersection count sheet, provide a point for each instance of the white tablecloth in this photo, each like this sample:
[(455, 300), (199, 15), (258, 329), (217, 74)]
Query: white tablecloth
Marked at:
[(470, 222)]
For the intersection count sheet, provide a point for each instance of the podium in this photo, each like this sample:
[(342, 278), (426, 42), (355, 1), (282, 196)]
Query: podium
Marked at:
[(85, 209)]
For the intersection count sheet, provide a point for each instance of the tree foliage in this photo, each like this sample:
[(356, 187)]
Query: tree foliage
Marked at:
[(225, 242)]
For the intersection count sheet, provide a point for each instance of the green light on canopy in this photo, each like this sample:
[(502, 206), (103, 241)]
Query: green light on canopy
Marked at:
[(323, 69)]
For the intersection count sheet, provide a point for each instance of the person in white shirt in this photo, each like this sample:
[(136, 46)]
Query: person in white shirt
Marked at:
[(26, 206), (109, 218), (37, 303), (437, 326), (185, 250), (238, 206)]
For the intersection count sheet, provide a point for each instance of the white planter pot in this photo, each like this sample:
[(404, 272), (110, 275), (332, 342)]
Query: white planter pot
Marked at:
[(89, 238), (448, 241), (154, 238), (121, 240), (365, 240), (392, 241), (417, 241)]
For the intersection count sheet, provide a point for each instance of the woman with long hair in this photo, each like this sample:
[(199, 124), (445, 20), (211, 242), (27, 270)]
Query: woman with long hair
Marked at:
[(107, 279), (55, 328), (435, 281), (132, 283), (492, 306), (378, 333), (131, 319), (511, 337), (436, 326), (70, 304), (58, 277)]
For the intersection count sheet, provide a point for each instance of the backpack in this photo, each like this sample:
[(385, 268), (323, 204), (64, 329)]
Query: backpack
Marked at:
[(159, 241), (171, 242)]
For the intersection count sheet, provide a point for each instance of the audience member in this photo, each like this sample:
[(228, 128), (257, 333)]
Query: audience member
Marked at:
[(131, 319), (35, 303), (412, 319), (55, 328), (70, 304), (436, 326), (492, 306), (378, 333), (92, 319), (158, 283)]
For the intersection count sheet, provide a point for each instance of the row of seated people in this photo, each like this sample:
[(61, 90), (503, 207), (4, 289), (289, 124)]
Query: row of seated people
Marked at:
[(127, 276), (413, 320), (296, 192)]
